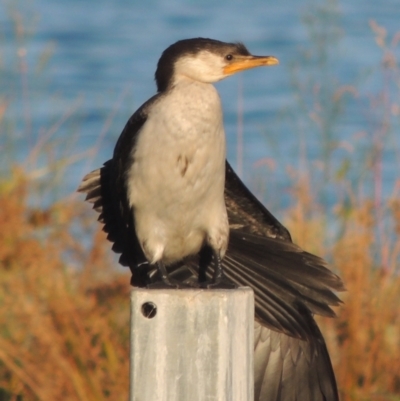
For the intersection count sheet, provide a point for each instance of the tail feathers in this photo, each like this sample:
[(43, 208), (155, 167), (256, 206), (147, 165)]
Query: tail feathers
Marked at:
[(289, 369)]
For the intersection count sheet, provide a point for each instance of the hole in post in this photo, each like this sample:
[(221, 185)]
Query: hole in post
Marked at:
[(149, 310)]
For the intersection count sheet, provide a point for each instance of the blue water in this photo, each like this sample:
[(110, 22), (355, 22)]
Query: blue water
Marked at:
[(91, 64)]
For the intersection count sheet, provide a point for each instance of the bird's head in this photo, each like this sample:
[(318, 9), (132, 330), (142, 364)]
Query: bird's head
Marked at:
[(204, 60)]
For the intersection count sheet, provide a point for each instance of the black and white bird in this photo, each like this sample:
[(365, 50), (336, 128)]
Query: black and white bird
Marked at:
[(179, 215)]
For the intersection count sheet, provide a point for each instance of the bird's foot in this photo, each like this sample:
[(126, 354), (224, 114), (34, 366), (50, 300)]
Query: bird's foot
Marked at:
[(164, 285), (222, 284), (165, 282), (219, 281)]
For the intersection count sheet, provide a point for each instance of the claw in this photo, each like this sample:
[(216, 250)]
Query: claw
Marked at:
[(218, 280)]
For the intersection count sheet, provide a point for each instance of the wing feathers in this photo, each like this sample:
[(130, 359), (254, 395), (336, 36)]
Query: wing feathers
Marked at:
[(291, 360)]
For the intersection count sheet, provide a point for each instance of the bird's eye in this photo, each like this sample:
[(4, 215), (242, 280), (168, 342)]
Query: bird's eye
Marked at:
[(229, 57)]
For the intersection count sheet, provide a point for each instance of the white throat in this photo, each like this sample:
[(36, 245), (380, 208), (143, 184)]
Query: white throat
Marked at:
[(205, 67)]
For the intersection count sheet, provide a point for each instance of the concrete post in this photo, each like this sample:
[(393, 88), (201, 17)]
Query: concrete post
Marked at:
[(192, 345)]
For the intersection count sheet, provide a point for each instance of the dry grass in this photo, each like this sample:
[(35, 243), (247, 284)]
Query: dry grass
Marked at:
[(364, 340), (64, 331), (368, 330)]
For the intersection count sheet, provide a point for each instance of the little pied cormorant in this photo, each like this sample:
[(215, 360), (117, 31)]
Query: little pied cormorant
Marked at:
[(170, 203)]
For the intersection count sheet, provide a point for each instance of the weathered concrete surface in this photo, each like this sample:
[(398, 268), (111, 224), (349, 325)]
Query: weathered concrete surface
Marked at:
[(197, 347)]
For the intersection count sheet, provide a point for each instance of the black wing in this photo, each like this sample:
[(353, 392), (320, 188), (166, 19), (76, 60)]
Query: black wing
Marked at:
[(291, 359), (106, 188), (246, 212)]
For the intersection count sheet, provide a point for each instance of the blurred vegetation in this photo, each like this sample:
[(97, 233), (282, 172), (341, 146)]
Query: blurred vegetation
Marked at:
[(64, 331), (64, 308)]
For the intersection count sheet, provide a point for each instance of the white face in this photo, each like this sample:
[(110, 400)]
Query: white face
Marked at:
[(204, 66)]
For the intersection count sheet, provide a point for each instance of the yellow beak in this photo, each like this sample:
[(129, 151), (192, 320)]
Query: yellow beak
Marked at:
[(248, 62)]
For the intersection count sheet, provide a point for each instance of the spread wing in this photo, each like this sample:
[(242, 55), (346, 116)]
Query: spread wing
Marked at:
[(106, 188), (247, 213), (290, 285)]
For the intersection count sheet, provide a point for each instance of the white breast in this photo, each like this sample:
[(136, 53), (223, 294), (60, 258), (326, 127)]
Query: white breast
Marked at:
[(176, 183)]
